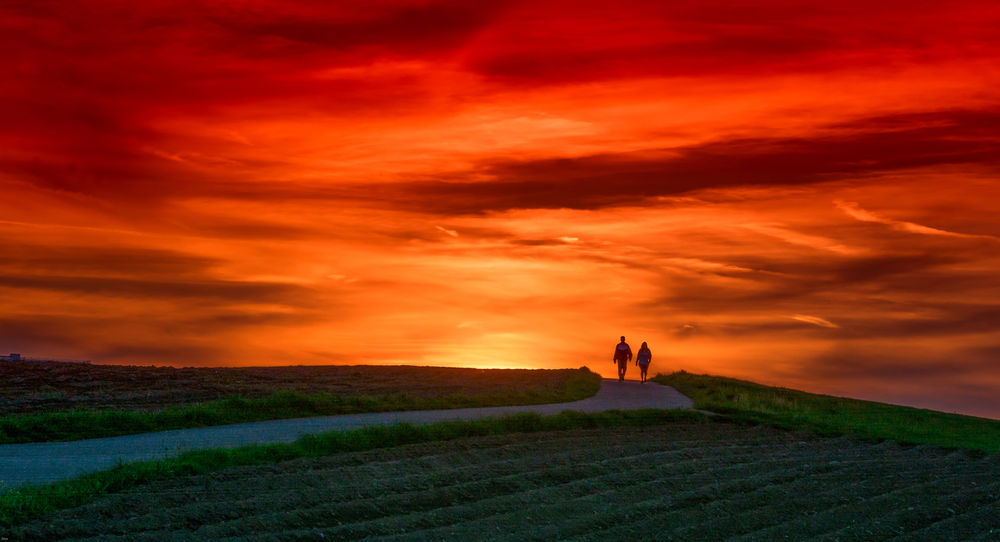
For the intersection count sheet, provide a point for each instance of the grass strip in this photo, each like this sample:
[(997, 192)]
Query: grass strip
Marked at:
[(84, 424), (30, 502), (826, 415)]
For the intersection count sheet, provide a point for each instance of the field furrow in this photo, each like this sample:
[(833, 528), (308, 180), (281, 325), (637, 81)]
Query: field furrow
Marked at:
[(371, 478), (768, 505), (355, 488), (939, 499), (688, 481), (982, 506), (438, 487), (863, 511), (682, 501), (677, 479), (519, 490)]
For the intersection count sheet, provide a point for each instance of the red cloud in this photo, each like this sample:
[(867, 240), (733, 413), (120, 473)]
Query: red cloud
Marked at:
[(853, 150)]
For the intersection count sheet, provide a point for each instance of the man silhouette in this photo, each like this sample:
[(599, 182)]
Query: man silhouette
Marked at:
[(623, 355)]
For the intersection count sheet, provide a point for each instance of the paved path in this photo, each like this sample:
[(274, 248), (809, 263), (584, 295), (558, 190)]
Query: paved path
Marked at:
[(43, 462)]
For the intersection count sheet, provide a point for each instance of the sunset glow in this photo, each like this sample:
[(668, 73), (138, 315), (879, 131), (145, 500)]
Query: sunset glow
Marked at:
[(801, 194)]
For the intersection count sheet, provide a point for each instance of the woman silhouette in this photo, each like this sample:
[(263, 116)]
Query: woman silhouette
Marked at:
[(642, 359)]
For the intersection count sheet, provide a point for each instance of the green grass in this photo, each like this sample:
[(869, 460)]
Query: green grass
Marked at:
[(83, 424), (29, 502), (833, 416)]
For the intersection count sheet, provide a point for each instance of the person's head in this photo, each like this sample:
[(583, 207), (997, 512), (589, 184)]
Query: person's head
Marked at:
[(644, 347), (623, 338)]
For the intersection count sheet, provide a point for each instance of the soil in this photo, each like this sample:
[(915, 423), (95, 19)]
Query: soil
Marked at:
[(681, 481), (45, 462), (31, 386)]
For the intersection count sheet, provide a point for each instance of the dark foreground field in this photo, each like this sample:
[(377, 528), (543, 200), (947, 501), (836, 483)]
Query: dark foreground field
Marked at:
[(681, 481), (32, 387), (46, 402)]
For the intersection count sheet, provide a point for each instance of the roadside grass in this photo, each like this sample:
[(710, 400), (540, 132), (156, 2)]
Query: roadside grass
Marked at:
[(26, 503), (83, 424), (826, 415)]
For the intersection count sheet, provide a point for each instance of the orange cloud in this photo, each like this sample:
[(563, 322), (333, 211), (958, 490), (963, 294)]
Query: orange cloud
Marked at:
[(509, 184)]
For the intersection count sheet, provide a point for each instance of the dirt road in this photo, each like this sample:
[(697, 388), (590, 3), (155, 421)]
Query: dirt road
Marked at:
[(40, 463)]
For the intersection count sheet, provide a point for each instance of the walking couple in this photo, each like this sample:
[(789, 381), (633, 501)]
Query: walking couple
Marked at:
[(623, 355)]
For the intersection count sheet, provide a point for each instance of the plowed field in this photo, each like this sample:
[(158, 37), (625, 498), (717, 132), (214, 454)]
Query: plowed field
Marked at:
[(681, 481), (28, 387)]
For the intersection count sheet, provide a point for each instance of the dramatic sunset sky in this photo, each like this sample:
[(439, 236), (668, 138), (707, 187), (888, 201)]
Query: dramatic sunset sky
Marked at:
[(798, 193)]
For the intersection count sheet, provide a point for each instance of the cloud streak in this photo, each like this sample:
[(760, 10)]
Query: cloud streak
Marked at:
[(855, 211), (865, 148), (814, 320), (507, 184)]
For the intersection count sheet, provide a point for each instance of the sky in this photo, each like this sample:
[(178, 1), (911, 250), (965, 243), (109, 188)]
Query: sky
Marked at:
[(798, 193)]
